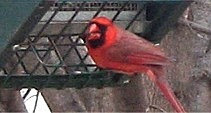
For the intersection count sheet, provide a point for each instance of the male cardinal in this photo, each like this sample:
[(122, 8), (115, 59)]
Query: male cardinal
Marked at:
[(114, 48)]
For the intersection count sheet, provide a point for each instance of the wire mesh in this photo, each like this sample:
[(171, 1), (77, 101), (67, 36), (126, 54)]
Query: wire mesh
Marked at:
[(55, 46)]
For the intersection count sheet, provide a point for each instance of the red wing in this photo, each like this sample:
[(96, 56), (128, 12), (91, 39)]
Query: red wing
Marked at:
[(138, 58), (136, 50), (146, 59)]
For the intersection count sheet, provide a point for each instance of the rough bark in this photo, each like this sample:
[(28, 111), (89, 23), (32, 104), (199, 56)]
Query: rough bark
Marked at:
[(189, 74), (11, 99)]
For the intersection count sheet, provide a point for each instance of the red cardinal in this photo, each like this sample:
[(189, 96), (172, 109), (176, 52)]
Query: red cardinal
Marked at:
[(114, 48)]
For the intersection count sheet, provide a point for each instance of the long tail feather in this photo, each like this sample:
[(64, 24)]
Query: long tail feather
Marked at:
[(157, 76), (169, 94)]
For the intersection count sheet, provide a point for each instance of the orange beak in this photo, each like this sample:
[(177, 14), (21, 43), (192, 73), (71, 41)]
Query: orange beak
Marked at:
[(93, 28), (93, 32)]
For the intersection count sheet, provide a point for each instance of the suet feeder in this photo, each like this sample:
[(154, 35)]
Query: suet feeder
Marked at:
[(41, 45)]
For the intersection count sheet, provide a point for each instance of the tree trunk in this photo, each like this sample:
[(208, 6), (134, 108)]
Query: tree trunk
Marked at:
[(190, 72)]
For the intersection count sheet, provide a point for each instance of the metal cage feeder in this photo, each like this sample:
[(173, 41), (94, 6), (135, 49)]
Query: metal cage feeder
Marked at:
[(51, 54)]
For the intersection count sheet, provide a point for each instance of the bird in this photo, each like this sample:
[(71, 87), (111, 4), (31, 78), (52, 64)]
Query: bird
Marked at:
[(114, 48)]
